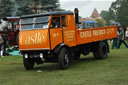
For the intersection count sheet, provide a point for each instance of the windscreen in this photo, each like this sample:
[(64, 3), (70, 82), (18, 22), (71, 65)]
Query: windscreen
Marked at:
[(34, 23)]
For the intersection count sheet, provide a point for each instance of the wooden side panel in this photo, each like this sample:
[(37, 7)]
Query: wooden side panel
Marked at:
[(32, 40), (84, 36), (96, 34), (99, 34), (111, 32)]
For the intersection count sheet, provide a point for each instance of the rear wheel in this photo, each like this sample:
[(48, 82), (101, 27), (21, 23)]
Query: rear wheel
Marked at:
[(102, 51), (64, 58), (28, 63)]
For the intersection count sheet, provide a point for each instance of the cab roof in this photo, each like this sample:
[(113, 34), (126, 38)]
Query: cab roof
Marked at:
[(48, 14)]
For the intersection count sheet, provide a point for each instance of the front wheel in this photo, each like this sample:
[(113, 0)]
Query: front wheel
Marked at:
[(28, 63), (64, 58), (102, 51)]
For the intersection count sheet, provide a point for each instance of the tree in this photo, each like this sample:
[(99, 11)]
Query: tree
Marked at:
[(24, 7), (5, 8), (106, 16), (51, 4), (100, 22), (36, 6), (122, 13), (119, 11)]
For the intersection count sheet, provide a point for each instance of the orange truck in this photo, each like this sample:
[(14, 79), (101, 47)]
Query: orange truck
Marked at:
[(55, 37)]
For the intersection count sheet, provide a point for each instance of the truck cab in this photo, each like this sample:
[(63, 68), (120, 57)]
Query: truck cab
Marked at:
[(38, 31)]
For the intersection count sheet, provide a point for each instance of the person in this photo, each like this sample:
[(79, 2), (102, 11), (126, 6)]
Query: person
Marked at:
[(1, 45), (115, 41), (4, 43), (121, 38), (55, 24), (126, 35)]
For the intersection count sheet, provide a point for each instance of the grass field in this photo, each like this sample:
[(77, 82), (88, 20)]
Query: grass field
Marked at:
[(86, 71)]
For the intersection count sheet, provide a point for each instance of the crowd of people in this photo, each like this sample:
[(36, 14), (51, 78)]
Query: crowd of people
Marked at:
[(122, 37)]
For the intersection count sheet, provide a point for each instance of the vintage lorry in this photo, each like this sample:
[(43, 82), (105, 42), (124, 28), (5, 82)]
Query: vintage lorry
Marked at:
[(40, 41)]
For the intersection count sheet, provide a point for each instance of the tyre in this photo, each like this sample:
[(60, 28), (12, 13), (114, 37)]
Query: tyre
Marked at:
[(64, 58), (102, 51), (28, 63)]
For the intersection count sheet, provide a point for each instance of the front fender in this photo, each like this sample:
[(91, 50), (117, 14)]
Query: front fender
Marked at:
[(58, 47)]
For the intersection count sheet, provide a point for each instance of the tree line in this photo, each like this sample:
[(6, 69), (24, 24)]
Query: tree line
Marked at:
[(10, 8), (118, 12)]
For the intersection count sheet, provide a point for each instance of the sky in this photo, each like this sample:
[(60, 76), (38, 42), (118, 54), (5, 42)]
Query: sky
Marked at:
[(86, 7)]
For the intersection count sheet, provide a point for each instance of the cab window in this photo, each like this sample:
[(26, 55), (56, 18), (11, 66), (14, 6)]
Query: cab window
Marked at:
[(55, 22), (34, 23), (63, 21)]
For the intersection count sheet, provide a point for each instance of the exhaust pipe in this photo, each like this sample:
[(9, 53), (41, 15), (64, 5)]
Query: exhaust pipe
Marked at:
[(76, 11)]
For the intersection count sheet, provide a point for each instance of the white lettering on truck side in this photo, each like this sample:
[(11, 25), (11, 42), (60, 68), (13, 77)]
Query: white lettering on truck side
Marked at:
[(85, 34), (31, 39)]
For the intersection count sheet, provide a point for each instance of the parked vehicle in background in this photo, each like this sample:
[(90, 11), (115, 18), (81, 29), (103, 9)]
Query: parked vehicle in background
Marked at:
[(10, 28), (90, 24), (87, 24)]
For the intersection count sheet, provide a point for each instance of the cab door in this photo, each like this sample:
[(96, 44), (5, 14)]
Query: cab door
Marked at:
[(68, 25), (55, 33)]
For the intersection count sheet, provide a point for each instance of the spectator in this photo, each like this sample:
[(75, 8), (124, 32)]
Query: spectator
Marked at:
[(1, 45), (121, 38), (115, 41), (126, 34), (4, 43)]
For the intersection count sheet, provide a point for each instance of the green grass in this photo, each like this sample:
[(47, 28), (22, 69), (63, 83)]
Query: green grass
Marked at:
[(86, 71)]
